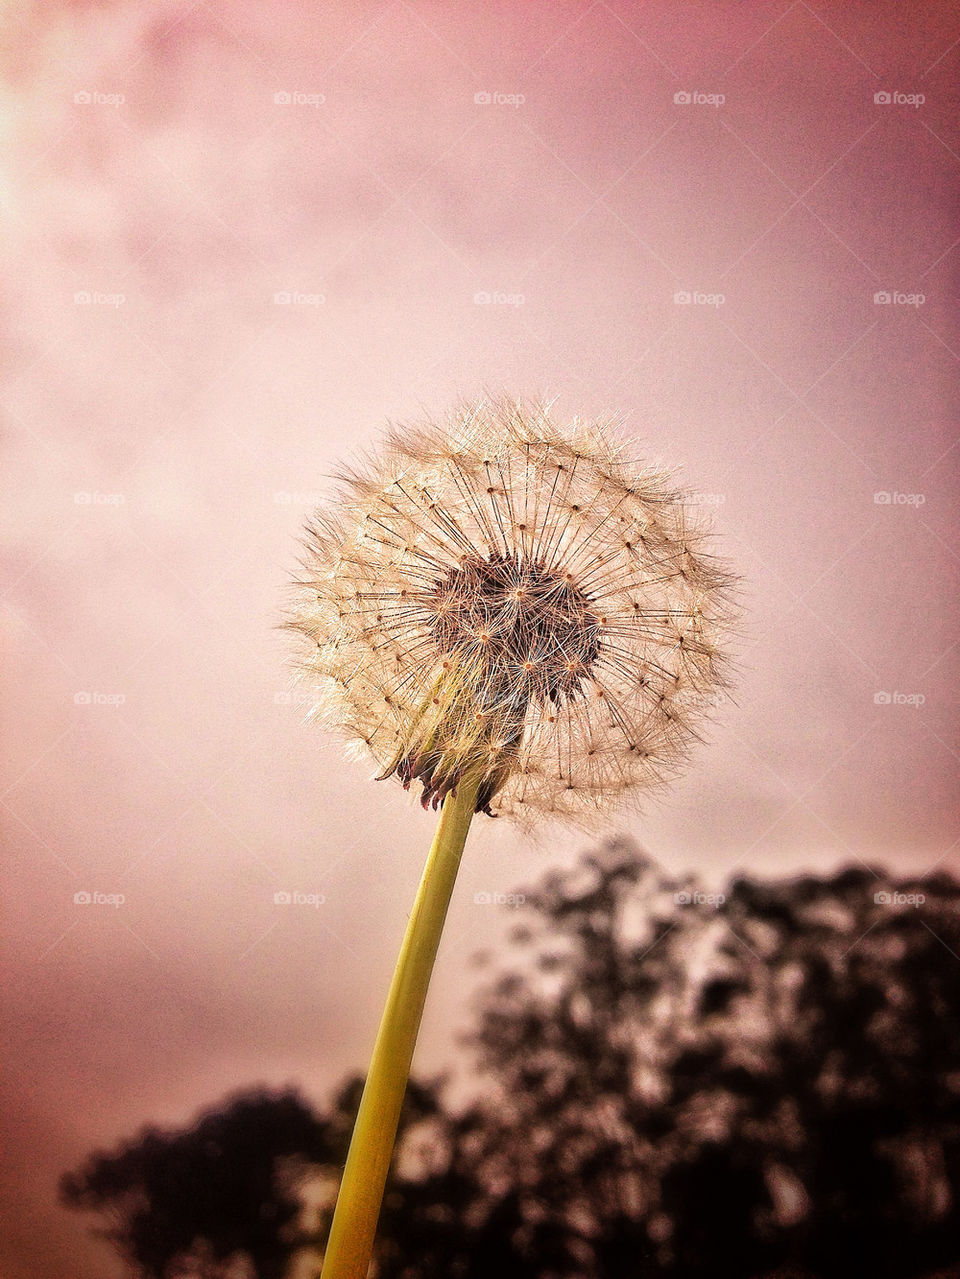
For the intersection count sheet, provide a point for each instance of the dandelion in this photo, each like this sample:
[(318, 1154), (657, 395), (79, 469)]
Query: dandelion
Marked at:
[(519, 621)]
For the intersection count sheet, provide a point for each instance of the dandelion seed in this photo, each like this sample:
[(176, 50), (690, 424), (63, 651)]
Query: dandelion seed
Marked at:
[(498, 580)]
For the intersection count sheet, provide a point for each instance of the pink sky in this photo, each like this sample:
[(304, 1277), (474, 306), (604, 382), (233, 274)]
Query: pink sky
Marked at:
[(149, 169)]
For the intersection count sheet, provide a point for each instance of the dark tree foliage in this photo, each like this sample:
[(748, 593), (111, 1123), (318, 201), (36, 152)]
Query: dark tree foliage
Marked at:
[(672, 1087), (208, 1192), (767, 1084), (199, 1199)]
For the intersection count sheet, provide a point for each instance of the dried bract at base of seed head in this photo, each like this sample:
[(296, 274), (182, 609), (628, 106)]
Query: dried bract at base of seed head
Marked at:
[(500, 597)]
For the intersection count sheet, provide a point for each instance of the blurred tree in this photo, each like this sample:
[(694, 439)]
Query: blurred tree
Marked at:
[(762, 1081), (195, 1201), (224, 1197), (686, 1084)]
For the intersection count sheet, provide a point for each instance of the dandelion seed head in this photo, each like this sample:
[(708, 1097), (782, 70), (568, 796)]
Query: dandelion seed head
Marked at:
[(500, 596)]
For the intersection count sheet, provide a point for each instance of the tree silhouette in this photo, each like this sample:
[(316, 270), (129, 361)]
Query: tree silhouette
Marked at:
[(680, 1086), (203, 1199), (205, 1194), (762, 1081)]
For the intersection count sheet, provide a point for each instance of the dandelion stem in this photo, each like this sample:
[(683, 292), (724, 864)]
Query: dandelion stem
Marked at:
[(350, 1244)]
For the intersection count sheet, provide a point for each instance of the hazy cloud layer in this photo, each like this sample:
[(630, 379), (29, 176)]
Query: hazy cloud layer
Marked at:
[(238, 239)]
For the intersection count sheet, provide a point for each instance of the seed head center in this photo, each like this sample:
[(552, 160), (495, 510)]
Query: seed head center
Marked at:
[(533, 630)]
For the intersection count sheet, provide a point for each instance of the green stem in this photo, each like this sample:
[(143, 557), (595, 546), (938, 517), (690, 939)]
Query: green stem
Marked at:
[(350, 1244)]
